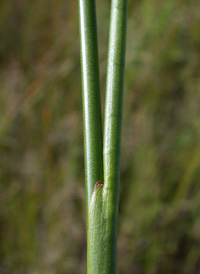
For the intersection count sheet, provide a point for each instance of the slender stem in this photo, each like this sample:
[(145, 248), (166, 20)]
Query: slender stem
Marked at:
[(112, 131), (102, 199), (91, 98), (95, 251)]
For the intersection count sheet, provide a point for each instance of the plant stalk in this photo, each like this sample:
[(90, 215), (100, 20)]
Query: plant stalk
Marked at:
[(102, 225), (112, 130), (102, 198), (93, 145)]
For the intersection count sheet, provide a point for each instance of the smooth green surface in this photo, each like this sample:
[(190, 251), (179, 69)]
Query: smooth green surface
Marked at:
[(102, 223), (96, 232), (112, 133), (91, 98)]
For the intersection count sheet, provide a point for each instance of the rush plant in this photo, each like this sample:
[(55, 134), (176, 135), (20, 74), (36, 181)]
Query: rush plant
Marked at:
[(102, 156)]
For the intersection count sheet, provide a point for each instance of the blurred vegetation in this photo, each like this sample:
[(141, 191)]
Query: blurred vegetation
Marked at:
[(42, 206)]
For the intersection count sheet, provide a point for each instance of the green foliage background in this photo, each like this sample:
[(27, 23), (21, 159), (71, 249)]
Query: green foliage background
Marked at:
[(42, 206)]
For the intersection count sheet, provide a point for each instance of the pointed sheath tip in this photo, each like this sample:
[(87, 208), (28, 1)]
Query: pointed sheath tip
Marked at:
[(98, 184)]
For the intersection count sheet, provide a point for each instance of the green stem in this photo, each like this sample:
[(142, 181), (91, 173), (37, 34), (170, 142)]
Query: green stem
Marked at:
[(102, 223), (102, 199), (112, 131), (95, 237), (91, 98)]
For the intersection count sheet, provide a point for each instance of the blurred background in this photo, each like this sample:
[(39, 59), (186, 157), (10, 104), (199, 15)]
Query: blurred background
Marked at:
[(42, 199)]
